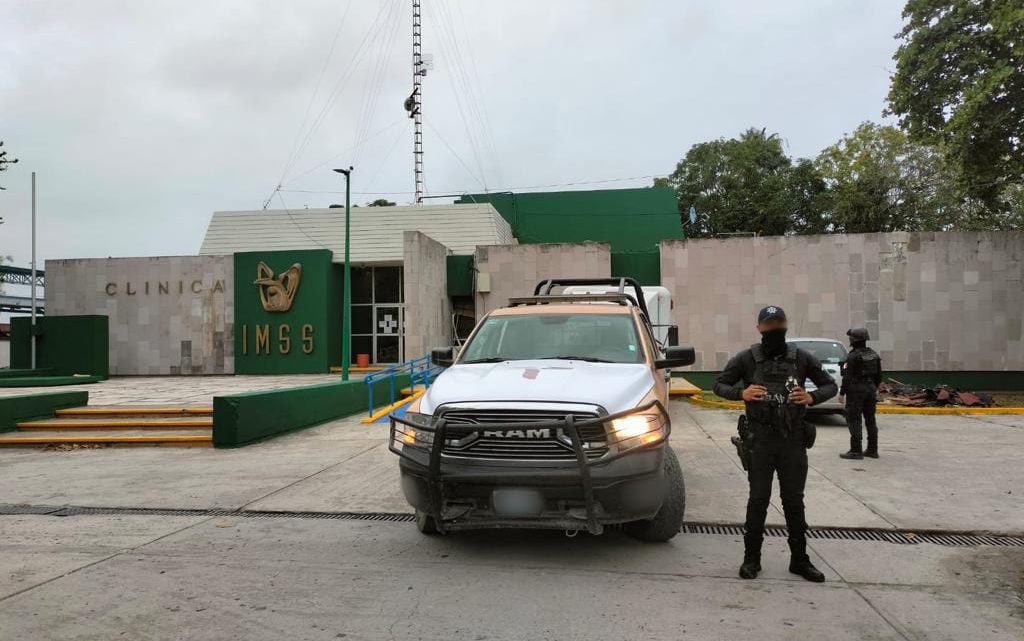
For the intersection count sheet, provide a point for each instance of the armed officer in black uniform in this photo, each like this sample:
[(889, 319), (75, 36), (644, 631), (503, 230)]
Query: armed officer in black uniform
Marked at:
[(862, 374), (773, 375)]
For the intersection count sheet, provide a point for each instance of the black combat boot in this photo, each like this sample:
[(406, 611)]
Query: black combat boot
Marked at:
[(803, 567), (855, 452), (751, 566), (872, 450)]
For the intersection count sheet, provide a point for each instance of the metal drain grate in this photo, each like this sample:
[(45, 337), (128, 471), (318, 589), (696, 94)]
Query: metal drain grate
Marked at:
[(956, 539), (961, 539)]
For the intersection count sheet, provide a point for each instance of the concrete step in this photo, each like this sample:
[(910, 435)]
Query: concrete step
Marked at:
[(178, 438), (152, 423), (135, 411)]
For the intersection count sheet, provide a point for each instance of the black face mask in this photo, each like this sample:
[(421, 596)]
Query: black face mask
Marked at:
[(858, 344), (773, 342)]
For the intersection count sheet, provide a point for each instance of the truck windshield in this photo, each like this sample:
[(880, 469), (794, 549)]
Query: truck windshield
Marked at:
[(607, 338)]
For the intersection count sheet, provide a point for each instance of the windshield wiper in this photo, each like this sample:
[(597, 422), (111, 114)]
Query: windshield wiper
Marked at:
[(489, 359), (588, 359)]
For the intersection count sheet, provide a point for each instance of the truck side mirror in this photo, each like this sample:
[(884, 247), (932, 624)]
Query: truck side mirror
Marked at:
[(680, 356), (441, 356)]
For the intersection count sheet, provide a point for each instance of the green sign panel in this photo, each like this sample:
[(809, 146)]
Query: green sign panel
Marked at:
[(287, 312)]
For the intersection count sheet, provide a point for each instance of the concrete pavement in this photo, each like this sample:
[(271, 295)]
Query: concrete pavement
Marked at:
[(188, 577)]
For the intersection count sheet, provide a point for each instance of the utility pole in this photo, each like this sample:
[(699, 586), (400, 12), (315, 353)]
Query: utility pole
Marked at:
[(418, 71), (346, 297), (33, 348)]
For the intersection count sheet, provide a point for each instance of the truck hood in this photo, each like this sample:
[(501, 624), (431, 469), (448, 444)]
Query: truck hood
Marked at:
[(613, 386)]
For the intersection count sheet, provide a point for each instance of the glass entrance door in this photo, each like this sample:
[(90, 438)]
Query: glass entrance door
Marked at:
[(378, 314), (388, 331)]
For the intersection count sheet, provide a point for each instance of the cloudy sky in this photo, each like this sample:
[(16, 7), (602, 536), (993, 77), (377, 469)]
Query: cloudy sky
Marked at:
[(142, 118)]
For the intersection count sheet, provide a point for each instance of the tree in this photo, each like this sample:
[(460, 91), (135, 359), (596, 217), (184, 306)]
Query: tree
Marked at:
[(959, 85), (746, 184), (879, 180), (5, 162), (381, 202)]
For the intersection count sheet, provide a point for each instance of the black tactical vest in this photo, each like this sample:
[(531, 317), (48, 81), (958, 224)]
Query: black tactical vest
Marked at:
[(779, 376), (868, 365)]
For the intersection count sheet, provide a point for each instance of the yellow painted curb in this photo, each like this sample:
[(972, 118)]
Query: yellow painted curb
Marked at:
[(938, 411), (682, 387), (886, 409), (705, 402), (199, 439), (384, 411), (116, 424), (127, 409)]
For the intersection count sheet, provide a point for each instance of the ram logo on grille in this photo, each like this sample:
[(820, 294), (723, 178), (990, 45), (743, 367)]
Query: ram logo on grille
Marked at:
[(524, 434)]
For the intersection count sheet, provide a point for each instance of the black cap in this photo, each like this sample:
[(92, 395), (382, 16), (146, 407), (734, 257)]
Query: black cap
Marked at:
[(772, 311)]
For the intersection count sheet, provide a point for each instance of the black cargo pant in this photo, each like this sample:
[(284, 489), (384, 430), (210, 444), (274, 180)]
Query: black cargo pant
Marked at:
[(861, 401), (774, 454)]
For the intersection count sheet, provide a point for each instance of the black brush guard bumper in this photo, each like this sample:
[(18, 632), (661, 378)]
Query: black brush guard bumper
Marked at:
[(431, 465)]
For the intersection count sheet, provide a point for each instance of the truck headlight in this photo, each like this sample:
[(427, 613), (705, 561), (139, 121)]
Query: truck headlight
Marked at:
[(634, 430), (409, 435)]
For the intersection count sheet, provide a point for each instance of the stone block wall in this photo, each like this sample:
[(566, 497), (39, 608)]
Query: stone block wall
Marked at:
[(931, 301), (428, 313), (516, 269), (168, 314)]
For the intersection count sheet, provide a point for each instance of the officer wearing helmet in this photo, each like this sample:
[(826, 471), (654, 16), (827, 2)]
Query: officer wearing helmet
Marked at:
[(773, 375), (862, 374)]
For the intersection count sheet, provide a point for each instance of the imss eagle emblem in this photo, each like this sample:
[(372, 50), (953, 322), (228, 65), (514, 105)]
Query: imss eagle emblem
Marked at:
[(277, 293)]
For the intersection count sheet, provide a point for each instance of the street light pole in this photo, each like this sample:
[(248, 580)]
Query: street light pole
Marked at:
[(33, 359), (346, 297)]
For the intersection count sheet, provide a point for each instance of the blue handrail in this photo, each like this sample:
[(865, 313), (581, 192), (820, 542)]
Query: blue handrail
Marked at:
[(420, 370)]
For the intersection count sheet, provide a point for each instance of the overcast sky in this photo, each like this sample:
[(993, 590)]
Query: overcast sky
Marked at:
[(142, 118)]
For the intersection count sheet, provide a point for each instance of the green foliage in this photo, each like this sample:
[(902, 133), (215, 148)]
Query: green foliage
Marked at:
[(881, 181), (959, 84), (746, 184), (380, 202), (876, 179)]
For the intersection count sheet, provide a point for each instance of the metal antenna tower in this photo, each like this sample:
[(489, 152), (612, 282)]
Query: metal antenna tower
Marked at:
[(418, 71)]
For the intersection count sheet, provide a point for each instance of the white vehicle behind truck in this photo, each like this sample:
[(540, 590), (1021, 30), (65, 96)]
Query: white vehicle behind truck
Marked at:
[(658, 301)]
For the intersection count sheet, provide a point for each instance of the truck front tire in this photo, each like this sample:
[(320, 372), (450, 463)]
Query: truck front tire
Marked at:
[(669, 520)]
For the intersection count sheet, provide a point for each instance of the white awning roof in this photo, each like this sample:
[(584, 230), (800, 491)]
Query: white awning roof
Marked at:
[(376, 231)]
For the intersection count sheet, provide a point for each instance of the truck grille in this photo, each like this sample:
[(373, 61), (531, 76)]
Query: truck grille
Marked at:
[(542, 444)]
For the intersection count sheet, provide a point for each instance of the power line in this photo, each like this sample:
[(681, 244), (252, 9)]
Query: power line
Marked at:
[(457, 157), (316, 90), (492, 190)]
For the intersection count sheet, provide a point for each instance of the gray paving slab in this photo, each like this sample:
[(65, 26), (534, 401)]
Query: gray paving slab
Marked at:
[(34, 550), (827, 503), (368, 482), (935, 472), (190, 477), (254, 579)]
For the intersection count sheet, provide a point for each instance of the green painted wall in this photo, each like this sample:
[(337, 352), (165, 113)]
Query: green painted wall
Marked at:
[(241, 419), (629, 219), (306, 339), (15, 409), (460, 275), (66, 344), (645, 266), (970, 381)]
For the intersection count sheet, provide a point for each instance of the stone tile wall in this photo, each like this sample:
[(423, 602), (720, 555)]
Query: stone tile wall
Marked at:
[(428, 314), (931, 301), (515, 269), (168, 314)]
